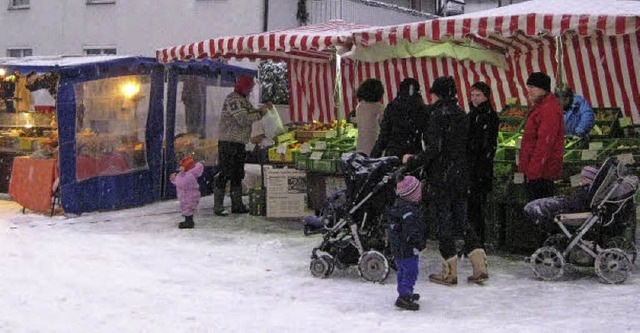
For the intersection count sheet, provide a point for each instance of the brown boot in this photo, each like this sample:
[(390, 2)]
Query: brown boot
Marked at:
[(478, 260), (449, 274)]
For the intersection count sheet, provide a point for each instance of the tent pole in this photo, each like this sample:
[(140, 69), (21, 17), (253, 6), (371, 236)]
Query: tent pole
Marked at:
[(559, 57), (337, 89)]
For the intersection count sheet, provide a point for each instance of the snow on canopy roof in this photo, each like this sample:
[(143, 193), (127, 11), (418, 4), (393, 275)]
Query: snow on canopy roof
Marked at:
[(306, 42), (62, 62), (58, 60), (585, 17)]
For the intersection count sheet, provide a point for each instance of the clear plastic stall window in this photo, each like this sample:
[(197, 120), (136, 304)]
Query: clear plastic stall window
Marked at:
[(111, 117)]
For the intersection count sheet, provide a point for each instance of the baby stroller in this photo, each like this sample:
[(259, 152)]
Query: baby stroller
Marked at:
[(594, 238), (352, 220)]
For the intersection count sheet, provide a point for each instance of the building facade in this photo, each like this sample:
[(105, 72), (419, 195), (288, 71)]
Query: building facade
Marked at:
[(139, 27)]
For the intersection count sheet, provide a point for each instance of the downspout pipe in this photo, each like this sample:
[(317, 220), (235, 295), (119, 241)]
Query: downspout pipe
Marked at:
[(265, 17)]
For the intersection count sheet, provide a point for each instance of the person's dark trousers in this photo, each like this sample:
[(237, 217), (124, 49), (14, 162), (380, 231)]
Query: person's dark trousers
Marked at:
[(451, 218), (476, 211), (540, 188), (407, 275), (232, 156)]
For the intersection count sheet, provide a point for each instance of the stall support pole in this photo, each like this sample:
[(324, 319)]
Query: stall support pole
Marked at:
[(559, 57), (337, 90)]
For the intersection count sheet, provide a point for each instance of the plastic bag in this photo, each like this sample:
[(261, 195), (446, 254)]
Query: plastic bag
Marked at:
[(272, 123)]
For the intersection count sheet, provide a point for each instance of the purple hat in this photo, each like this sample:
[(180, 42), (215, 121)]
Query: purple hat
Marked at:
[(410, 188), (589, 173)]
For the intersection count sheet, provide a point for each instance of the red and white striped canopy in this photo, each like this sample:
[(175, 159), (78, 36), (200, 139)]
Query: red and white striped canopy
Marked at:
[(601, 41), (307, 50), (306, 42)]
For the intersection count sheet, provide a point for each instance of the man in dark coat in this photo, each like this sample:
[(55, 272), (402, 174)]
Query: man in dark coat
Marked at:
[(445, 164), (483, 140), (403, 123)]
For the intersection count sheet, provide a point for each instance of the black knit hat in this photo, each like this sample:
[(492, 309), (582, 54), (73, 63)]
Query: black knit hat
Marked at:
[(540, 80), (444, 87), (483, 87)]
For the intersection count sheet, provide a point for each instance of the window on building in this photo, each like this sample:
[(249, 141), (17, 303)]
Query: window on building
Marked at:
[(19, 53), (18, 4), (100, 2), (99, 51)]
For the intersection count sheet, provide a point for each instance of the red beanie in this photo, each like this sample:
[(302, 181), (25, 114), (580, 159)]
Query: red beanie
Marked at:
[(187, 163), (244, 84)]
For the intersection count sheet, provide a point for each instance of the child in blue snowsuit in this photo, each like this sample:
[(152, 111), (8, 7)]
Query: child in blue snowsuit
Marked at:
[(407, 237)]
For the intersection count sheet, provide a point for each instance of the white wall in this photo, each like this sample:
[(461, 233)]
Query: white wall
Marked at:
[(136, 27), (361, 12)]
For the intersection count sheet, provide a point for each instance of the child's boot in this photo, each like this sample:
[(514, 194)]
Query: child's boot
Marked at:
[(187, 224), (406, 302)]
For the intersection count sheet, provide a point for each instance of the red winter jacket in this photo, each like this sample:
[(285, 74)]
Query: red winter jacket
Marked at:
[(542, 146)]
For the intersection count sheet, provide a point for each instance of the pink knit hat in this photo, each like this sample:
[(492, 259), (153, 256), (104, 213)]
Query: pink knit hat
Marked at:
[(410, 188)]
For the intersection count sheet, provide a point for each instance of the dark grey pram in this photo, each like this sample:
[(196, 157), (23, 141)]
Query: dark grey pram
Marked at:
[(594, 238), (352, 221)]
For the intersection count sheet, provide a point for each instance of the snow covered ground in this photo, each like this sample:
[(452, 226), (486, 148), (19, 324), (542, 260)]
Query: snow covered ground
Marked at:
[(134, 271)]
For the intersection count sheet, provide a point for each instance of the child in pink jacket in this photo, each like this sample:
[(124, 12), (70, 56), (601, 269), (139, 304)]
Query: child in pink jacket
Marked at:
[(188, 190)]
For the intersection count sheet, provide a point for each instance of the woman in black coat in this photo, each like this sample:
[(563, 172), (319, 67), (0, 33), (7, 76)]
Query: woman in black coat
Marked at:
[(403, 123), (445, 164), (483, 140)]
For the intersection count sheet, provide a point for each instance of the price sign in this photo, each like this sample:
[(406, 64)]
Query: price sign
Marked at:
[(518, 178), (316, 155), (321, 145), (589, 155), (305, 148), (331, 134)]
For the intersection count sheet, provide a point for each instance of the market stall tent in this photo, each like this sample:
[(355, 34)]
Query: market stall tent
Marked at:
[(207, 74), (94, 116), (599, 39), (310, 52)]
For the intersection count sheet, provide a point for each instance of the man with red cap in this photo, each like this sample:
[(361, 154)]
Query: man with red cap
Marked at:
[(234, 132)]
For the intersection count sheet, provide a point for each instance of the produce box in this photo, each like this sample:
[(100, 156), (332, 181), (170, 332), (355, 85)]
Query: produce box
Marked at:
[(512, 118), (289, 136), (324, 165), (301, 160), (606, 122), (275, 154)]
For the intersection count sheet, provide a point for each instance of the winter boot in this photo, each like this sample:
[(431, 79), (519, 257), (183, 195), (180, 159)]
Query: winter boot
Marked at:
[(415, 297), (478, 260), (237, 207), (218, 202), (187, 224), (406, 302), (449, 274)]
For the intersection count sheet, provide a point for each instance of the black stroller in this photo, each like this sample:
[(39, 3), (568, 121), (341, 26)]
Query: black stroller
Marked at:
[(352, 220), (595, 238)]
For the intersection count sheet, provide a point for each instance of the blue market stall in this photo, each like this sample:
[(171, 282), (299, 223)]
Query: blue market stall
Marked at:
[(195, 93), (109, 119)]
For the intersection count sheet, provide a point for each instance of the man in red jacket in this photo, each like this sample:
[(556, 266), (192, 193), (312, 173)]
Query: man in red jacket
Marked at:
[(542, 146)]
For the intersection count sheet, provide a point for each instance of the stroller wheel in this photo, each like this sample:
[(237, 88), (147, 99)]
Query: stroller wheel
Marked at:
[(547, 263), (612, 266), (373, 266), (623, 244), (322, 266), (557, 241)]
